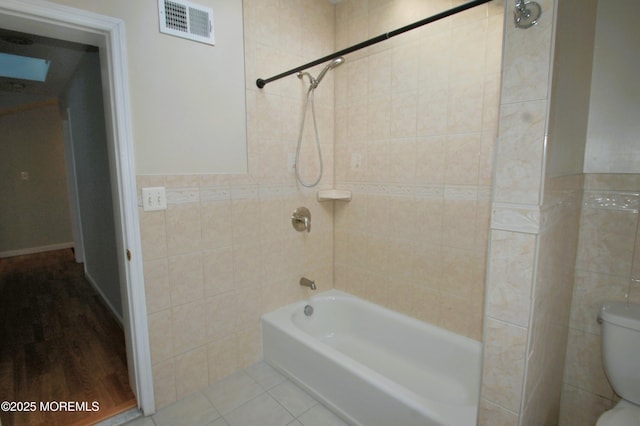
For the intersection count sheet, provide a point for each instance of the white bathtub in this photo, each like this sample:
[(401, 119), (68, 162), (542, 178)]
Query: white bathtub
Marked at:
[(373, 366)]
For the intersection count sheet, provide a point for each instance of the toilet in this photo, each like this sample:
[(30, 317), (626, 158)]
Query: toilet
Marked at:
[(621, 358)]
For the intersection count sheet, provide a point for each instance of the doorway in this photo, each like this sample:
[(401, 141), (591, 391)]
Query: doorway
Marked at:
[(60, 343), (55, 21)]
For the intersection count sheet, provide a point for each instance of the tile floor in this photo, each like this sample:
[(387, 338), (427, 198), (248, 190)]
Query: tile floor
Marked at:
[(257, 395)]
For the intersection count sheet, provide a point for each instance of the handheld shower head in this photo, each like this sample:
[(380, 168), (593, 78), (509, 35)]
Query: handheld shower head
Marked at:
[(331, 65)]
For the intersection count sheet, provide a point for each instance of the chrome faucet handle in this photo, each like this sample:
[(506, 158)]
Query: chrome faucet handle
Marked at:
[(301, 219)]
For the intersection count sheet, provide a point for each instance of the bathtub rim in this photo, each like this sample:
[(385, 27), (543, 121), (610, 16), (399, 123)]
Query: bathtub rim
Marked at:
[(281, 319)]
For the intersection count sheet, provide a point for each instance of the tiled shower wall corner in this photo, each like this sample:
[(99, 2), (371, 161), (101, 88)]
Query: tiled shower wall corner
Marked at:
[(416, 125), (607, 268), (224, 251), (547, 340), (532, 256), (520, 232)]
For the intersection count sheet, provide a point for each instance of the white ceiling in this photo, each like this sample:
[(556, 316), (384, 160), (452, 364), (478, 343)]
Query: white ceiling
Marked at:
[(64, 57)]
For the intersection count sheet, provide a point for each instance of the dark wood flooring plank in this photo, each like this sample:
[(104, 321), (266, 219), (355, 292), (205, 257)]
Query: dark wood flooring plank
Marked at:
[(59, 342)]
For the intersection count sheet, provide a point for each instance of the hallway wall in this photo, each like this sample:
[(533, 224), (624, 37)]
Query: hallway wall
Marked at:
[(34, 213), (84, 99)]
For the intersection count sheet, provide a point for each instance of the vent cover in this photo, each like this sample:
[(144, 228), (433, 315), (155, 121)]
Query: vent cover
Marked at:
[(188, 20)]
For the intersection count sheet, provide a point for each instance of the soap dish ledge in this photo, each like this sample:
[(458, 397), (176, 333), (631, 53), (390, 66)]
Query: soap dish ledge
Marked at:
[(334, 195)]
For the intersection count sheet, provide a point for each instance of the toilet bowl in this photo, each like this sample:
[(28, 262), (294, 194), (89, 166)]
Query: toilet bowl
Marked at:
[(623, 414), (620, 348)]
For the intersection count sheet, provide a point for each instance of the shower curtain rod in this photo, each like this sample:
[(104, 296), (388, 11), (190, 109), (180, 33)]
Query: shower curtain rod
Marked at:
[(382, 37)]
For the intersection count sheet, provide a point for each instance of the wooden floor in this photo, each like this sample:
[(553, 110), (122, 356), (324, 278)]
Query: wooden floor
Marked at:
[(58, 343)]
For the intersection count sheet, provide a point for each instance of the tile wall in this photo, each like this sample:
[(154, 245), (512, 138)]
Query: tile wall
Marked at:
[(530, 287), (416, 124), (532, 242), (607, 268), (224, 251), (550, 299), (414, 140)]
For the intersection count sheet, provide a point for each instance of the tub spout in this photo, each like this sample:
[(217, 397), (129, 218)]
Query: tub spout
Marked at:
[(305, 282)]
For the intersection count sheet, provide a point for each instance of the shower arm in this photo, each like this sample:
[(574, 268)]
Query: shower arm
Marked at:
[(382, 37)]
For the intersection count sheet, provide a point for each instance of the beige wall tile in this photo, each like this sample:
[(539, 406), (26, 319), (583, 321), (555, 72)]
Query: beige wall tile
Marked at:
[(217, 271), (247, 263), (635, 262), (611, 237), (403, 114), (220, 315), (432, 110), (510, 276), (160, 336), (156, 283), (584, 368), (183, 228), (503, 364), (520, 145), (430, 158), (526, 73), (590, 291), (612, 181), (164, 383), (402, 160), (191, 372), (249, 346), (222, 358), (153, 234), (580, 407), (461, 272), (185, 278), (215, 217), (429, 215), (464, 110), (634, 292), (459, 221), (462, 155), (188, 326), (493, 415), (455, 313), (429, 267), (425, 303)]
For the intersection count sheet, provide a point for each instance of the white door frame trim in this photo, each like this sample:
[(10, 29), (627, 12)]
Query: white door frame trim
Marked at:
[(58, 21)]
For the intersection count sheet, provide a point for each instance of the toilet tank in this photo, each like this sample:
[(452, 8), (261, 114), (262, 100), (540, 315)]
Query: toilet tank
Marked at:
[(621, 348)]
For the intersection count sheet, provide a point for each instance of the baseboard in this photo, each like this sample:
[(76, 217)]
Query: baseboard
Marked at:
[(32, 250), (106, 301)]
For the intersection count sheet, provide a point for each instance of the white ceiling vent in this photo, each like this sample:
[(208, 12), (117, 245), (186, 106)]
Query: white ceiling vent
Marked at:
[(188, 20)]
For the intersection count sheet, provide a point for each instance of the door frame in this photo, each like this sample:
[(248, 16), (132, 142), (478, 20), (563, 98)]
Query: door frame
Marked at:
[(66, 23)]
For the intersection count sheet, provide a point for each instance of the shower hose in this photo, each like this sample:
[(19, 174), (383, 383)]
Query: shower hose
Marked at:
[(310, 96)]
